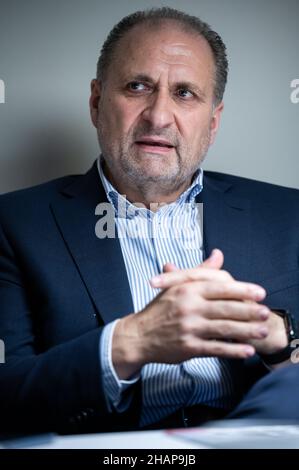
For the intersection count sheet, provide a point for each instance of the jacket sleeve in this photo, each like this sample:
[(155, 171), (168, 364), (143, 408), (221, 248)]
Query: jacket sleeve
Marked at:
[(58, 388)]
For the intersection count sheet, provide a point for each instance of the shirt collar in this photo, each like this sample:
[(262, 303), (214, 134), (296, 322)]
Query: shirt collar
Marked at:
[(124, 208)]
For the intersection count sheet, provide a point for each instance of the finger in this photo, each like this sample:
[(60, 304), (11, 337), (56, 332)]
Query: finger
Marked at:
[(174, 278), (234, 310), (236, 330), (215, 260), (216, 348), (169, 267), (232, 290)]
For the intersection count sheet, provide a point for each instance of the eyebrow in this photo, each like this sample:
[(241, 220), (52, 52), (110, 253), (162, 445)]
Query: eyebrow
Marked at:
[(182, 84), (142, 78)]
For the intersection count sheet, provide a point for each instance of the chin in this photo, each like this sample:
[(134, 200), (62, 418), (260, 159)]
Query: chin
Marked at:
[(155, 163)]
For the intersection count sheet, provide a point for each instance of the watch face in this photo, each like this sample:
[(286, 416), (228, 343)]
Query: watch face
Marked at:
[(293, 329), (289, 321)]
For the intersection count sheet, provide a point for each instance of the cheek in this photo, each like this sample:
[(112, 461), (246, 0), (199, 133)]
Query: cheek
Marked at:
[(196, 130), (124, 116), (190, 135), (110, 127)]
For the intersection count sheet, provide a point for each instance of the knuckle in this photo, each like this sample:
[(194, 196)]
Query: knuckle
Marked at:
[(226, 275), (202, 327), (221, 309), (184, 327), (205, 329), (206, 288), (183, 309), (181, 290), (224, 329), (224, 289), (204, 349), (187, 346), (205, 308), (218, 349), (248, 315), (212, 313)]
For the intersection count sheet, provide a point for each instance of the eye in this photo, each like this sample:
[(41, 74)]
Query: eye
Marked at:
[(185, 93), (136, 86)]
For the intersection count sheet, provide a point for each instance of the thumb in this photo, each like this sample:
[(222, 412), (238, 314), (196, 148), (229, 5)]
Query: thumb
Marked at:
[(215, 260)]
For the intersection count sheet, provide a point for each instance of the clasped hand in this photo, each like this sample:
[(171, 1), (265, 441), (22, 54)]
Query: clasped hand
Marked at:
[(199, 312)]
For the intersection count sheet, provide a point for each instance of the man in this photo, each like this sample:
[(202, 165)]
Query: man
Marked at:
[(146, 329)]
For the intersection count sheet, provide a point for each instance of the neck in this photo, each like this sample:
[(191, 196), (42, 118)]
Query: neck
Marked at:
[(151, 196)]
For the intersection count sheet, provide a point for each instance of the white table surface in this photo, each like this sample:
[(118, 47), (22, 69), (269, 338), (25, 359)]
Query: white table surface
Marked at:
[(232, 435), (121, 440)]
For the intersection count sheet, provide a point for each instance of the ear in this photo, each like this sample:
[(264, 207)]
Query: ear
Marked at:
[(215, 121), (95, 88)]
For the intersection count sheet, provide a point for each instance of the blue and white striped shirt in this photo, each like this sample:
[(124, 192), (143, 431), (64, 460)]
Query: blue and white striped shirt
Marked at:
[(149, 240)]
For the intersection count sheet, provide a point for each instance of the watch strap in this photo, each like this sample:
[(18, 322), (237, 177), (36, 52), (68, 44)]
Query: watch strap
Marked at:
[(291, 331)]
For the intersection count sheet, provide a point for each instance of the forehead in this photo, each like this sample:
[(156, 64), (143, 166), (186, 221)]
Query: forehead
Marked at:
[(151, 49)]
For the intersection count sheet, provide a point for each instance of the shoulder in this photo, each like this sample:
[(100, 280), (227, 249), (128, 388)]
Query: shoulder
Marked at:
[(35, 198), (253, 189)]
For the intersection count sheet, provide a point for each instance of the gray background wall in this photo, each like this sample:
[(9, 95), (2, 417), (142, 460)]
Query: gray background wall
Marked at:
[(48, 52)]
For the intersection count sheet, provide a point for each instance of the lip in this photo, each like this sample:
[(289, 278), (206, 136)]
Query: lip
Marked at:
[(154, 144), (154, 140)]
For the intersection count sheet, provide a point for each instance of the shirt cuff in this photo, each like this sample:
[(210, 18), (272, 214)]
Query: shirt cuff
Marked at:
[(114, 388)]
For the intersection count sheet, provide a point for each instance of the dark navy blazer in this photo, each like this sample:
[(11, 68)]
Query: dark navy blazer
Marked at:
[(59, 284)]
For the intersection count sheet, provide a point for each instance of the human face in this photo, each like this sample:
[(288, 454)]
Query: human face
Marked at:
[(154, 112)]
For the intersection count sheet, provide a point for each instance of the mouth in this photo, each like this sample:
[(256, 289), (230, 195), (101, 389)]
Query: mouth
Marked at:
[(154, 145)]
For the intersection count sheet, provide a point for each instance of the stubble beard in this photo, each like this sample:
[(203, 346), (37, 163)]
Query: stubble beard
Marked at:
[(134, 170)]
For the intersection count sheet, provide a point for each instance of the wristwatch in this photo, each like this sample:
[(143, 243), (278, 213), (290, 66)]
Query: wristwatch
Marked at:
[(292, 333)]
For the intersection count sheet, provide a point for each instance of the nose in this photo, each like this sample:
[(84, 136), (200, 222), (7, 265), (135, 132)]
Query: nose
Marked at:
[(159, 111)]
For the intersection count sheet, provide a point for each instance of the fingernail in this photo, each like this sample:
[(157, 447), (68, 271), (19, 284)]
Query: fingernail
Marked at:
[(263, 313), (263, 332), (259, 293), (215, 251), (156, 281), (249, 351)]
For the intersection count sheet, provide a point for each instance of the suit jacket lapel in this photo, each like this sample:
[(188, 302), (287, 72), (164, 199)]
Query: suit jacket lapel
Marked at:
[(99, 261), (226, 225)]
